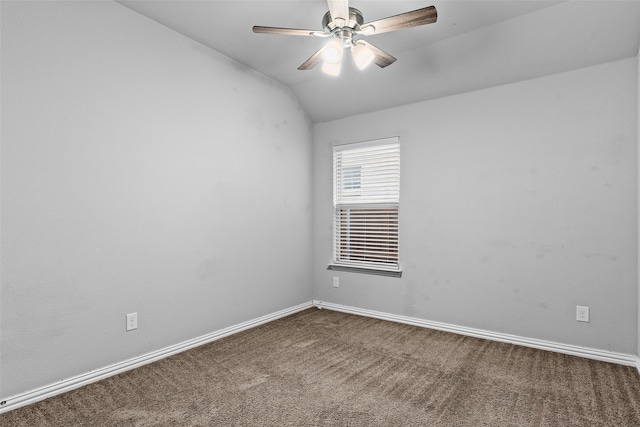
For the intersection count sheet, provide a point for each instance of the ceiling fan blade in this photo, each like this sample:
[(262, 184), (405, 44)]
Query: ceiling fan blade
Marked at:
[(382, 58), (285, 31), (313, 60), (339, 10), (426, 15)]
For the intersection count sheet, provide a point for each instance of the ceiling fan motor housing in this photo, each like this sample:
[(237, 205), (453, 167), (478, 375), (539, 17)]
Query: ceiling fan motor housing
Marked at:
[(344, 33)]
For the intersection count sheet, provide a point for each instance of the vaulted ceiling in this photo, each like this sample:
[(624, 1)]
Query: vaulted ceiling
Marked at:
[(473, 45)]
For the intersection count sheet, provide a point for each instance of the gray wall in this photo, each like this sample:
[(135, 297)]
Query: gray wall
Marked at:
[(141, 172), (517, 204)]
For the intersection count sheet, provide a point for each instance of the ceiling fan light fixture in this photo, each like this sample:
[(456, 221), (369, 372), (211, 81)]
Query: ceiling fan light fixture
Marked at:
[(362, 55), (341, 23), (333, 51), (331, 68)]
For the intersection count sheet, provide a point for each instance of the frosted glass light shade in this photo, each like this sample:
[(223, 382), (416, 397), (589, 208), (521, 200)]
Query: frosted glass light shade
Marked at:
[(333, 51), (362, 55), (333, 69)]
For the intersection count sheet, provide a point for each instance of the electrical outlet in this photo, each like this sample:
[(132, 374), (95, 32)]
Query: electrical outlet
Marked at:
[(132, 321), (582, 314), (336, 282)]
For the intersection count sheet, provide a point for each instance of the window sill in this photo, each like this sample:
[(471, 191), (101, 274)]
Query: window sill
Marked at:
[(365, 270)]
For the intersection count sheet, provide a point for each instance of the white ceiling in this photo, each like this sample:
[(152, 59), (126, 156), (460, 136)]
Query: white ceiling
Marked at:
[(473, 45)]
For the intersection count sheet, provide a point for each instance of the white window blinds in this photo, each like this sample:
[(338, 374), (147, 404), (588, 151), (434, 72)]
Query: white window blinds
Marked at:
[(366, 190)]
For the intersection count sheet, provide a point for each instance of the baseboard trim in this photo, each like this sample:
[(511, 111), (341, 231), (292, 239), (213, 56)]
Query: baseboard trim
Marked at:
[(589, 353), (63, 386)]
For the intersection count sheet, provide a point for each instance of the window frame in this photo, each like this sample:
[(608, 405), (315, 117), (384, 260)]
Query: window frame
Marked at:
[(350, 183)]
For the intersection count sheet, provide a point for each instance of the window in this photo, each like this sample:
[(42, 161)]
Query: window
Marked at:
[(366, 198)]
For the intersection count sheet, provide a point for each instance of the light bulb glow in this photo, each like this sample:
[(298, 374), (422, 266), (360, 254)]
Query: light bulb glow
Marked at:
[(333, 51), (362, 55), (331, 68)]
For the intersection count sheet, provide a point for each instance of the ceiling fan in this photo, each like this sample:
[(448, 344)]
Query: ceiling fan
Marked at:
[(341, 23)]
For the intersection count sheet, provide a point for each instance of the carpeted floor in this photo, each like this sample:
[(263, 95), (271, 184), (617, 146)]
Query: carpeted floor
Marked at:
[(325, 368)]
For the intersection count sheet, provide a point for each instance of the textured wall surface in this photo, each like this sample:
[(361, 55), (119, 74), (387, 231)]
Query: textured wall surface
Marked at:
[(141, 172), (517, 204)]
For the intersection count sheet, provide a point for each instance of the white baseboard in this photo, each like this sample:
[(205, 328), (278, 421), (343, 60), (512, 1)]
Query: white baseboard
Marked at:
[(589, 353), (63, 386), (42, 393)]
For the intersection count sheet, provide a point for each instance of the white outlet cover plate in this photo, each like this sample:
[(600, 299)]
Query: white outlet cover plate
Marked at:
[(132, 321), (582, 313)]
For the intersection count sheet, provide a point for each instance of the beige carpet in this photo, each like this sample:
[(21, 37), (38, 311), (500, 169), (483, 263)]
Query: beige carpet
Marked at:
[(324, 368)]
